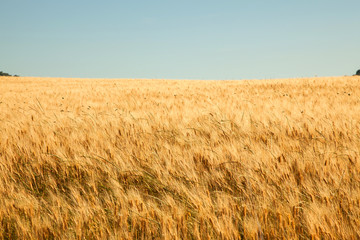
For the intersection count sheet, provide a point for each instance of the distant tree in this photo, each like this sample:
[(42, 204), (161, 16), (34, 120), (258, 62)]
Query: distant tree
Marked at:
[(358, 72), (4, 74)]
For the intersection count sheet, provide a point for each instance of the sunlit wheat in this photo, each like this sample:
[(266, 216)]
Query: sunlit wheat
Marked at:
[(166, 159)]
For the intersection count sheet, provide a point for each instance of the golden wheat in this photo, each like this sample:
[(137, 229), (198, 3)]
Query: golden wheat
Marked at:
[(166, 159)]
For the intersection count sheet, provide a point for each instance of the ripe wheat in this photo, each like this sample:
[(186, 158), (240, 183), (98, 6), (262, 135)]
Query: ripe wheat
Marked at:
[(166, 159)]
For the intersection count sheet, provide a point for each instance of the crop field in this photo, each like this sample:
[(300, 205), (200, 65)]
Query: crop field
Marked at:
[(171, 159)]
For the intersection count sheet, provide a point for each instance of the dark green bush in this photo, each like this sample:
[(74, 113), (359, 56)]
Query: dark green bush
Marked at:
[(4, 74)]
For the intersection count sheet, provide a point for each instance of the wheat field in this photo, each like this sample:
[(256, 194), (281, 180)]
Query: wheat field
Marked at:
[(171, 159)]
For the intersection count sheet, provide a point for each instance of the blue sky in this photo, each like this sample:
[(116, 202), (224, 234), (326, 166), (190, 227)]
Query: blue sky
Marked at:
[(180, 39)]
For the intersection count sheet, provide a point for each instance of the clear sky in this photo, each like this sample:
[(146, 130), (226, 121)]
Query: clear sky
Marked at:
[(180, 39)]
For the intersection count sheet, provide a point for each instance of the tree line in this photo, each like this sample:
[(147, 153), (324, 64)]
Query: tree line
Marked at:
[(6, 74)]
